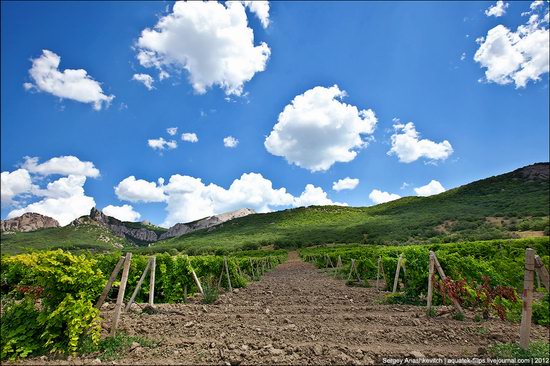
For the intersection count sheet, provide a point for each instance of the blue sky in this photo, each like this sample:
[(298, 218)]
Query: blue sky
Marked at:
[(402, 60)]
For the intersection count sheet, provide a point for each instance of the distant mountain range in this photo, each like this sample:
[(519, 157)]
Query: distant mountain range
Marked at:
[(514, 204), (99, 228)]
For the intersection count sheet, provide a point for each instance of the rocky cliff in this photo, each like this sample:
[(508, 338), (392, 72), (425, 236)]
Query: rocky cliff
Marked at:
[(207, 222), (117, 227), (29, 221)]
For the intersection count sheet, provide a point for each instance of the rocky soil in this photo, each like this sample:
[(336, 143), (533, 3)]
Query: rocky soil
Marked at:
[(299, 315)]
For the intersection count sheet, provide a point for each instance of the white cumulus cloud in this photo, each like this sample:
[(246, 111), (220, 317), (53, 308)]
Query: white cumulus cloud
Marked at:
[(434, 187), (346, 183), (407, 145), (13, 184), (317, 129), (261, 9), (189, 137), (123, 213), (161, 144), (145, 79), (65, 187), (62, 165), (172, 131), (189, 198), (210, 40), (64, 200), (230, 142), (497, 10), (67, 84), (535, 4), (378, 196), (516, 56), (314, 196), (139, 190)]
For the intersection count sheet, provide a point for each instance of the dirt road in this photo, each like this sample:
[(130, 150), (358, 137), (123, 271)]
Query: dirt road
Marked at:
[(299, 315)]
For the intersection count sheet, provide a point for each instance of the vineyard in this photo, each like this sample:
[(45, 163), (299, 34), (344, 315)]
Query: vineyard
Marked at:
[(49, 298), (341, 304), (485, 276)]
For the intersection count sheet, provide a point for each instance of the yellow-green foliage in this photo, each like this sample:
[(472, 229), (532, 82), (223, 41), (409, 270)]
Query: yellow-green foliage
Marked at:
[(49, 296), (50, 305)]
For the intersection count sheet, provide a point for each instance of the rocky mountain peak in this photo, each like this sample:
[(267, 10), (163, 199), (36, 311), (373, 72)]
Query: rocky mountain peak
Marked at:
[(29, 221), (205, 223), (124, 230), (99, 216)]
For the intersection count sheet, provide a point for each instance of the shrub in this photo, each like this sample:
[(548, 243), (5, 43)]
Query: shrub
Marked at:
[(65, 286), (541, 311)]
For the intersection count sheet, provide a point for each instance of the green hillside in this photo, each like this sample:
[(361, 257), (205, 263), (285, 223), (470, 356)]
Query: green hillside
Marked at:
[(87, 236), (511, 205), (506, 206)]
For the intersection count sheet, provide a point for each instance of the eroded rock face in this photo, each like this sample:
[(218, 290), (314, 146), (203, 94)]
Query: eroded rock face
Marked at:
[(207, 222), (29, 221), (116, 226), (539, 171)]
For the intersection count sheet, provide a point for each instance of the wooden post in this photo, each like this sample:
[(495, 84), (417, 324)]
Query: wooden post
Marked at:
[(138, 286), (542, 272), (121, 290), (378, 273), (526, 313), (227, 273), (252, 269), (339, 263), (152, 281), (109, 283), (351, 268), (197, 282), (443, 277), (396, 279), (221, 276), (185, 293), (430, 281)]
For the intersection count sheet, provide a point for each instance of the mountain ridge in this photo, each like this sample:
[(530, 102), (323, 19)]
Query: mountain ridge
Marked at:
[(29, 221), (503, 206), (518, 199)]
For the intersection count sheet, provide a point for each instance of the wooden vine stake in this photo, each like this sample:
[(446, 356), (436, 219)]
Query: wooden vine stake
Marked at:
[(252, 269), (197, 282), (443, 277), (227, 273), (526, 312), (353, 269), (396, 279), (138, 285), (328, 261), (378, 273), (109, 284), (121, 290), (152, 281), (542, 272), (430, 280), (339, 263)]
